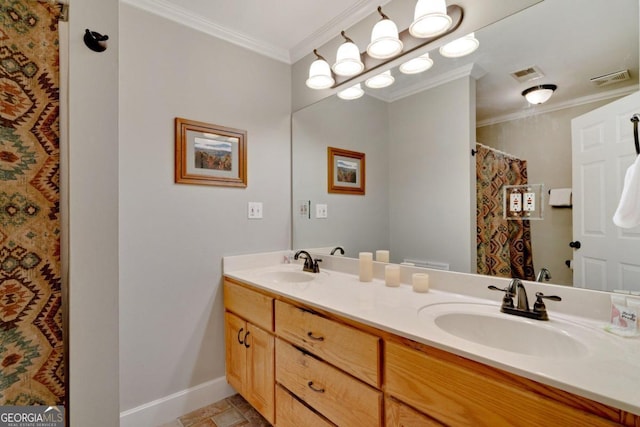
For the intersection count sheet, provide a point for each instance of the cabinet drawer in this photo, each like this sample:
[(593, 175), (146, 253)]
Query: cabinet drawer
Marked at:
[(250, 305), (292, 413), (456, 394), (341, 398), (351, 350)]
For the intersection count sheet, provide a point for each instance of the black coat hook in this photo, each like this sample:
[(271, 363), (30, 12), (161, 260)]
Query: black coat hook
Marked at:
[(95, 41)]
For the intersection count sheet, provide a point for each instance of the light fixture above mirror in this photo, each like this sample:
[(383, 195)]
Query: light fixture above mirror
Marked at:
[(460, 47), (430, 19), (348, 61), (319, 73), (385, 42)]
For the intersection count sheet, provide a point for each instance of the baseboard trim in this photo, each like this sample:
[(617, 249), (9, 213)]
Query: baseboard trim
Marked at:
[(167, 409)]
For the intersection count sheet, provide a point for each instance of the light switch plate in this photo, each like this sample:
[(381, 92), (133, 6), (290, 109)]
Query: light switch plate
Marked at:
[(254, 210), (321, 210)]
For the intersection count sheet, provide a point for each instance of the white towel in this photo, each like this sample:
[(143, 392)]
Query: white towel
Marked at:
[(560, 197), (628, 213)]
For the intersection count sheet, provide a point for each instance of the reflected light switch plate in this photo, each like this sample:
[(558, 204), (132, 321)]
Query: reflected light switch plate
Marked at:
[(254, 210), (321, 211)]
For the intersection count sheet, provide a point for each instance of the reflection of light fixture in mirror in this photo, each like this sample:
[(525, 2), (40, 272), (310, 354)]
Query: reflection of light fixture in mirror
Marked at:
[(460, 47), (385, 42), (320, 73), (430, 19), (539, 94), (348, 62), (354, 92), (381, 80), (417, 65)]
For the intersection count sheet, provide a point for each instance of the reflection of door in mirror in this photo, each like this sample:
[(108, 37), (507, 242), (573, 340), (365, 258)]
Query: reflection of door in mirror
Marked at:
[(608, 257)]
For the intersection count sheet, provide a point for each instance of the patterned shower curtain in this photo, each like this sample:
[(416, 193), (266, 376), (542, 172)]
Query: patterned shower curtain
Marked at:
[(504, 246), (31, 338)]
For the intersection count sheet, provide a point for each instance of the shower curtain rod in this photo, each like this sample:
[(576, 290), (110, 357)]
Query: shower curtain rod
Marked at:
[(495, 151)]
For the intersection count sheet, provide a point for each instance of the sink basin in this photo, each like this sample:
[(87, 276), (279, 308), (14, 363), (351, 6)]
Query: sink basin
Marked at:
[(486, 325), (287, 276)]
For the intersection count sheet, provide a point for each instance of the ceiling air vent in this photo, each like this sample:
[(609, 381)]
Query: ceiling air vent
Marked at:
[(527, 74), (611, 78)]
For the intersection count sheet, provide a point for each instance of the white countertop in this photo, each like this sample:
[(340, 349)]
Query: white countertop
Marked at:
[(609, 372)]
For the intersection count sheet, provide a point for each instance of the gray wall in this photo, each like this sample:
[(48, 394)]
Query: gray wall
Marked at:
[(544, 141), (91, 192), (432, 176), (173, 237), (359, 223)]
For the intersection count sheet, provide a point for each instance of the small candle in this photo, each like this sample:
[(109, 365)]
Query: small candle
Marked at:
[(420, 282), (366, 266), (392, 275), (382, 256)]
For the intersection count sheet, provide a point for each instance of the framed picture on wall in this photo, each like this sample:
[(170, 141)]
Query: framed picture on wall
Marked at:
[(209, 154), (346, 170)]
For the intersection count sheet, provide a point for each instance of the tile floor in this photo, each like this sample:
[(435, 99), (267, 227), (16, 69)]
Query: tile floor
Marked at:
[(233, 411)]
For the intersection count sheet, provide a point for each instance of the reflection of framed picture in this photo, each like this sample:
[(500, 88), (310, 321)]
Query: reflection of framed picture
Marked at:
[(346, 171), (210, 154)]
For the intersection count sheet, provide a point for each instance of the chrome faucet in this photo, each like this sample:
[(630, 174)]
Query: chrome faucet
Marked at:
[(337, 249), (543, 274), (310, 264), (517, 290)]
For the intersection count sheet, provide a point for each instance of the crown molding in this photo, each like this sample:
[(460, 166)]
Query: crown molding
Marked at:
[(345, 20), (182, 16), (534, 111)]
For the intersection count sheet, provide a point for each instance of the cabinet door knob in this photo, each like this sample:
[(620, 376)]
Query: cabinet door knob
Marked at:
[(315, 337), (317, 390), (239, 332)]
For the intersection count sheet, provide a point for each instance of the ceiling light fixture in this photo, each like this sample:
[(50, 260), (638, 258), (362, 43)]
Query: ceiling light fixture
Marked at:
[(385, 42), (320, 73), (430, 19), (354, 92), (348, 61), (539, 94), (460, 47), (417, 65), (381, 80)]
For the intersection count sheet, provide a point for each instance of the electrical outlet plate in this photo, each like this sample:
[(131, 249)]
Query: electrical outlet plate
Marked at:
[(321, 210), (254, 210)]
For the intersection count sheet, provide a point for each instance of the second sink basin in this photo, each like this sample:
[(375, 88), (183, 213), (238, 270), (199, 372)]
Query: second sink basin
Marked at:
[(486, 325)]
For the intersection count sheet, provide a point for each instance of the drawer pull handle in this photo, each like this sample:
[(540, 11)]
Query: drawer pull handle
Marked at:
[(246, 344), (317, 390), (240, 332), (313, 337)]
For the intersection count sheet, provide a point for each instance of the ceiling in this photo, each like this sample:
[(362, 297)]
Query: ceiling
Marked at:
[(571, 41)]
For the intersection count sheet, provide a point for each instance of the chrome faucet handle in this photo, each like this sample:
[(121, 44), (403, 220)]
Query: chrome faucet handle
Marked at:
[(507, 300)]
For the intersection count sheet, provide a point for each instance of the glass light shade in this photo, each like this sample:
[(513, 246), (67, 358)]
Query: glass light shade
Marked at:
[(430, 19), (354, 92), (417, 65), (539, 94), (348, 62), (381, 80), (460, 47), (384, 40), (320, 75)]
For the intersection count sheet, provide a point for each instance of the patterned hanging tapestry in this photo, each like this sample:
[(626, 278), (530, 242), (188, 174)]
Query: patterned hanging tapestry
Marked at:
[(504, 246), (31, 338)]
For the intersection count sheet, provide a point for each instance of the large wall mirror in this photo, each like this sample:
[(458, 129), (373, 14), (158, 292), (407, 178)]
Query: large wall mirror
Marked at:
[(420, 199)]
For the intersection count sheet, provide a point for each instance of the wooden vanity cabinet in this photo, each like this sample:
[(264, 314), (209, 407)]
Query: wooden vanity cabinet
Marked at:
[(249, 345)]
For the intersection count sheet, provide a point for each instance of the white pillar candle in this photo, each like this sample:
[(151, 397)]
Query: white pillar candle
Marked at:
[(420, 282), (392, 275), (366, 266), (382, 256)]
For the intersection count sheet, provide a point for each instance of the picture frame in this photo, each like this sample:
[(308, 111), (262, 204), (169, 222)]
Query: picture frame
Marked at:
[(208, 154), (346, 171)]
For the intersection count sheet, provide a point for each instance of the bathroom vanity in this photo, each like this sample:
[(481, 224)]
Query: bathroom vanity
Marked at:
[(325, 349)]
